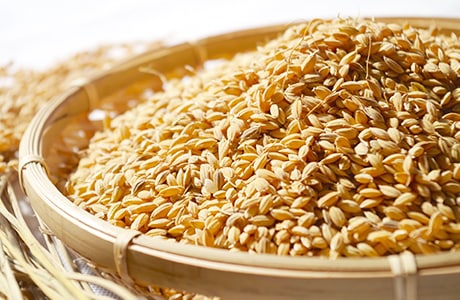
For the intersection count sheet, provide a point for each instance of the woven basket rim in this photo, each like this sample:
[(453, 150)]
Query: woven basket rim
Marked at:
[(59, 213)]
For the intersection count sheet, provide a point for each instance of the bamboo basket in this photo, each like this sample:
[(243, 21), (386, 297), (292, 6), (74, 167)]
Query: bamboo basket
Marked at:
[(141, 260)]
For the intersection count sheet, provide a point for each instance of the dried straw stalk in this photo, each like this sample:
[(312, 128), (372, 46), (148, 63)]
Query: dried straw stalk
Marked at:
[(30, 269)]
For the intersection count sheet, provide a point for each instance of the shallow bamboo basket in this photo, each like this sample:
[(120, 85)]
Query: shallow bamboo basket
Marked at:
[(142, 260)]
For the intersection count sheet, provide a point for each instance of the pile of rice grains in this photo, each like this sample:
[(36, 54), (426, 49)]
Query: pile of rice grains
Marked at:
[(338, 138)]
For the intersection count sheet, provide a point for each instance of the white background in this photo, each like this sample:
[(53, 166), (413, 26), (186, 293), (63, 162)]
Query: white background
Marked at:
[(37, 33)]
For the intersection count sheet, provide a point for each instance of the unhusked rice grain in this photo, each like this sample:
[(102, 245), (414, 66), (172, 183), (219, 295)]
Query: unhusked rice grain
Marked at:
[(338, 138)]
